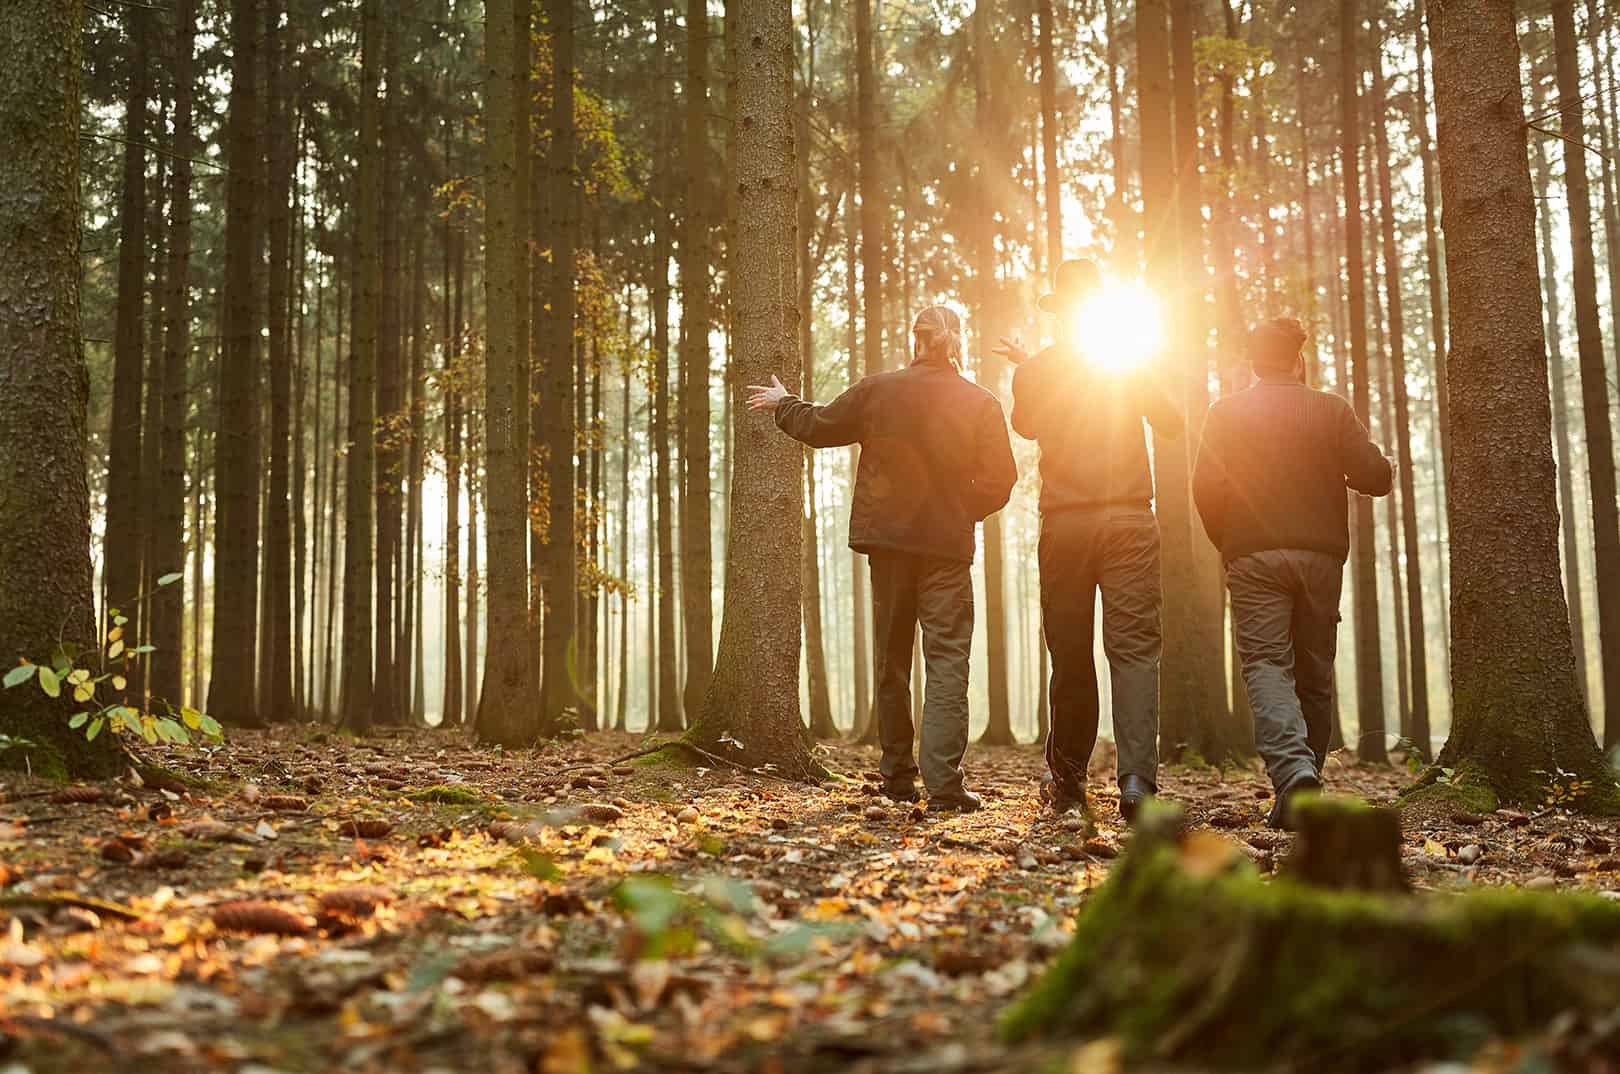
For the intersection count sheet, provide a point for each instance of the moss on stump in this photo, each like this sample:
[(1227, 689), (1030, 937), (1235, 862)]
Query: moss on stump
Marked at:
[(1187, 954)]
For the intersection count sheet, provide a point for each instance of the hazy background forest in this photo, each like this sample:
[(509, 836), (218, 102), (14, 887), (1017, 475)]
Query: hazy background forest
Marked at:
[(948, 151)]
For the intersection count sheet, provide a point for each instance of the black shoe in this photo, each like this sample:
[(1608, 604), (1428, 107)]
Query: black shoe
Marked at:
[(1133, 791), (1061, 799), (961, 802), (900, 790), (1282, 810)]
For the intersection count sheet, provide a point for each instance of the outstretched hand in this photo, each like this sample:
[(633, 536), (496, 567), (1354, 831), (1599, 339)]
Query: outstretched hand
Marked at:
[(763, 398), (1012, 350)]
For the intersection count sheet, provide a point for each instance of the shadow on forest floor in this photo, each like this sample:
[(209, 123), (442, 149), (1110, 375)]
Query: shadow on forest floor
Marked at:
[(419, 903)]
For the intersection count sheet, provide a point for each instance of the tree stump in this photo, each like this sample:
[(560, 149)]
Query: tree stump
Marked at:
[(1346, 845), (1187, 954)]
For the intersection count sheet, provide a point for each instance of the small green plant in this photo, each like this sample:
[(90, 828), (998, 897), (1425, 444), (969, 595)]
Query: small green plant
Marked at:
[(95, 687)]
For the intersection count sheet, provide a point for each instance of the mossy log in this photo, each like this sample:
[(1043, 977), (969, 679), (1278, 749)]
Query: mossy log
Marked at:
[(1187, 954), (1347, 845)]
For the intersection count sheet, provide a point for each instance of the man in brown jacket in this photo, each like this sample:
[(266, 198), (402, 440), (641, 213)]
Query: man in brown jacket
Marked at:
[(1270, 485), (935, 461)]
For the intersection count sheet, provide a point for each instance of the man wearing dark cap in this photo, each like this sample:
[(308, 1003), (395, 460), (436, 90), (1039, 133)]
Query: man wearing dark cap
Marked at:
[(1270, 485), (1098, 532), (935, 461)]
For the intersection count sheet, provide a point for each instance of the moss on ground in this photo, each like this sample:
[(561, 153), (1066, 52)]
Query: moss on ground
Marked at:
[(41, 759), (1186, 953), (443, 794)]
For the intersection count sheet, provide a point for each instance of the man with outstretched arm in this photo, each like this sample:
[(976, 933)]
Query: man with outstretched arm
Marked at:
[(1270, 485), (935, 461), (1098, 532)]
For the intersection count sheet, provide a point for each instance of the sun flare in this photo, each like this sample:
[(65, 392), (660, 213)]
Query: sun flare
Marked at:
[(1120, 328)]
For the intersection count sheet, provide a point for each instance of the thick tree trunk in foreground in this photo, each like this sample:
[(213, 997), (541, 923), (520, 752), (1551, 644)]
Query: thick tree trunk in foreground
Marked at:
[(1516, 711), (508, 711), (45, 577), (1370, 744), (697, 568), (1594, 371), (751, 713), (236, 528)]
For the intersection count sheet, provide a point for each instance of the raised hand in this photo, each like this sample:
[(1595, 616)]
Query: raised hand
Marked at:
[(763, 398), (1012, 350)]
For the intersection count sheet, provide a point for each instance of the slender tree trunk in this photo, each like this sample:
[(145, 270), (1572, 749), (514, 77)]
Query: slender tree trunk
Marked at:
[(414, 576), (864, 719), (507, 710), (275, 670), (121, 557), (1370, 745), (231, 696), (169, 511), (559, 553), (1594, 375), (331, 688), (1418, 730), (751, 712), (1557, 383), (455, 253), (697, 595), (621, 717), (1049, 133), (1517, 710)]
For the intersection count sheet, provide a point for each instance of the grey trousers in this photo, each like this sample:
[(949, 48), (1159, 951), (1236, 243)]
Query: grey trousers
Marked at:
[(1115, 549), (1285, 608), (909, 590)]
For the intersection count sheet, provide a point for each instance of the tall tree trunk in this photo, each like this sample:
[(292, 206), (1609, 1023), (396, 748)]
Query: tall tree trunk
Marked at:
[(231, 697), (387, 702), (45, 573), (998, 726), (331, 688), (751, 712), (1125, 232), (507, 710), (1370, 744), (822, 725), (1606, 141), (1418, 730), (169, 507), (455, 253), (413, 578), (1049, 134), (864, 722), (275, 671), (1558, 385), (560, 553), (1594, 377), (697, 611), (121, 558), (621, 717), (1517, 710), (1195, 710)]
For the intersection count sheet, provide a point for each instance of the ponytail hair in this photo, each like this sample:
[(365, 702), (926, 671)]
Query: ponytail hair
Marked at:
[(939, 331)]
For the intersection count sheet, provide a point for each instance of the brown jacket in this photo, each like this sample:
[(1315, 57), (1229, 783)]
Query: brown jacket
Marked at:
[(935, 457)]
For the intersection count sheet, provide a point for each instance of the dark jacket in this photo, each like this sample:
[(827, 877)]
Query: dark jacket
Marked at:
[(935, 457), (1088, 423), (1273, 469)]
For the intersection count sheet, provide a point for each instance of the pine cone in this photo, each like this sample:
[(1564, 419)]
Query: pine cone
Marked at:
[(77, 795), (504, 966), (600, 812), (357, 901), (284, 803), (254, 916)]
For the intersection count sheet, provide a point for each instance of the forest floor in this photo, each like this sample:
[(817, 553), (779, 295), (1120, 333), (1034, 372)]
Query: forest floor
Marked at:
[(418, 903)]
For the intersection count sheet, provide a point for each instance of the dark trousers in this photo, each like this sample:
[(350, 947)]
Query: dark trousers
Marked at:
[(1116, 550), (1285, 611), (908, 591)]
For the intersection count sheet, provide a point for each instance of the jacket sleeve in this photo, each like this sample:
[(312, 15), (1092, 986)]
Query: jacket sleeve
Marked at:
[(997, 471), (1212, 484), (834, 424), (1366, 470)]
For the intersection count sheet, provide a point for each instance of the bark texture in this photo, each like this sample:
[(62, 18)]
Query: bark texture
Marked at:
[(751, 713), (1517, 711), (45, 587)]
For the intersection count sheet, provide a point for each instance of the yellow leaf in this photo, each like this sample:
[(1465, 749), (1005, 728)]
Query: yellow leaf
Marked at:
[(1435, 849), (115, 650), (116, 633), (83, 692), (119, 682)]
